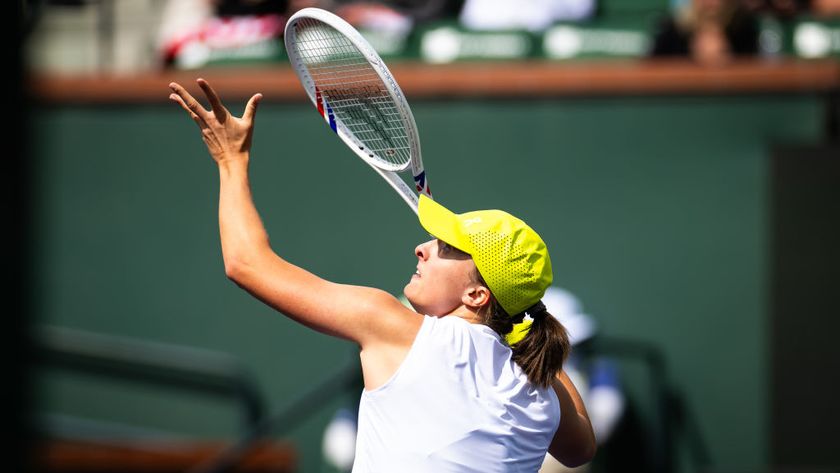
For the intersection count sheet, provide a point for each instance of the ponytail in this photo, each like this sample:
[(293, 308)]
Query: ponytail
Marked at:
[(543, 350)]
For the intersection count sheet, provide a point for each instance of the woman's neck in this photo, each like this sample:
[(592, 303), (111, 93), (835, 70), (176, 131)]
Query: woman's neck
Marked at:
[(465, 313)]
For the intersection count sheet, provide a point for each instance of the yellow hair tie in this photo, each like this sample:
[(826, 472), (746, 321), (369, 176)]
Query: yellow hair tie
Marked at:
[(519, 331)]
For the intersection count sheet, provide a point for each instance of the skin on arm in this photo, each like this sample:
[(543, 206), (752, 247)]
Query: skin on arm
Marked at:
[(371, 317), (574, 442)]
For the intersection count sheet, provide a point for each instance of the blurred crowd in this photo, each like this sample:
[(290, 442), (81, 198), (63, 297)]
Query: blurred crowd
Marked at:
[(708, 31), (715, 31)]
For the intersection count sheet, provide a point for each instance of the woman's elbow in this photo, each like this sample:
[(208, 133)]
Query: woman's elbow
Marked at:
[(246, 268), (577, 455), (584, 455), (241, 259), (232, 270), (236, 268)]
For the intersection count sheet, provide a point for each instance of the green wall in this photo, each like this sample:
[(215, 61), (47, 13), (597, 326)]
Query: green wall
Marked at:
[(655, 210)]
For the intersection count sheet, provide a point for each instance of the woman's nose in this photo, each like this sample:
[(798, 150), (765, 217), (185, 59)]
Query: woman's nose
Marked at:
[(422, 250)]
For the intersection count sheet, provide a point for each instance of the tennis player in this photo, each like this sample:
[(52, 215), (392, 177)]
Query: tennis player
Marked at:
[(469, 381)]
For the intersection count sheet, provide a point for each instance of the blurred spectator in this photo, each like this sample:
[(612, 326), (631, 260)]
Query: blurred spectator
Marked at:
[(427, 10), (180, 19), (225, 8), (786, 9), (782, 9), (708, 31), (357, 12), (387, 24), (826, 8), (339, 440), (194, 33), (371, 14), (376, 17), (533, 15)]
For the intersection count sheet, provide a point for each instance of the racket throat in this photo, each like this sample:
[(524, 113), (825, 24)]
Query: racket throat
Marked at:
[(421, 184)]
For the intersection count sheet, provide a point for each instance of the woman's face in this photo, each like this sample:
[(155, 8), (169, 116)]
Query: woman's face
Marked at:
[(443, 274)]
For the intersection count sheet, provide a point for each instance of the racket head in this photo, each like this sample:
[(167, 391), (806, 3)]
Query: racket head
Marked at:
[(353, 90)]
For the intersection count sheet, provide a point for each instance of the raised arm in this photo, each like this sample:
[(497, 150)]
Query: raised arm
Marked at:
[(365, 315), (574, 442)]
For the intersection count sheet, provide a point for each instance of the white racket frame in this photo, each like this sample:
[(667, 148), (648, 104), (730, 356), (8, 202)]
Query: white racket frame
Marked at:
[(421, 182)]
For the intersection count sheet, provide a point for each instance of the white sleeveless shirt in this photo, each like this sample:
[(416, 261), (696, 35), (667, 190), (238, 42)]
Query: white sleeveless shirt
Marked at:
[(457, 403)]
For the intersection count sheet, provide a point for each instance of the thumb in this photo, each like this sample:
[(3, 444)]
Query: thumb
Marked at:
[(251, 108)]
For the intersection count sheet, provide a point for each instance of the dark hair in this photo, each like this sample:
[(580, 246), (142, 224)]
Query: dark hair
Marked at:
[(543, 350)]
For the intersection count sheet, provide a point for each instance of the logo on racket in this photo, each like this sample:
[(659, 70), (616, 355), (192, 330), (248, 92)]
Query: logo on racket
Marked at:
[(420, 182), (324, 109)]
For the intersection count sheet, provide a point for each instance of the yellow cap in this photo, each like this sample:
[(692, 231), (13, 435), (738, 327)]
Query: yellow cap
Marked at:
[(509, 255)]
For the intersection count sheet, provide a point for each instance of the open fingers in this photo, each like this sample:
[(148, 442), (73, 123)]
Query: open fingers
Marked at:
[(251, 108), (215, 102), (177, 98), (187, 101)]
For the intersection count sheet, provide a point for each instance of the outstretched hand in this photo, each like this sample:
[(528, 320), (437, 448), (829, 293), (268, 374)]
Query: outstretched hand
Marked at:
[(226, 136)]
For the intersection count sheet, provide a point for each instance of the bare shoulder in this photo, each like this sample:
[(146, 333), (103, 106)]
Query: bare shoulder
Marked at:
[(388, 322), (393, 329)]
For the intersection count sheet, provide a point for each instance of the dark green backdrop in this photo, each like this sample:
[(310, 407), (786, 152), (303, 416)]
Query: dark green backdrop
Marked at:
[(655, 210)]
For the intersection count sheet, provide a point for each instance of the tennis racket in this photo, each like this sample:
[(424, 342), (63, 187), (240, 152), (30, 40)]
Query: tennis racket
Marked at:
[(357, 96)]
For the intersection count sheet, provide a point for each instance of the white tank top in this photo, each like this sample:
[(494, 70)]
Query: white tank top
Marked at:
[(457, 403)]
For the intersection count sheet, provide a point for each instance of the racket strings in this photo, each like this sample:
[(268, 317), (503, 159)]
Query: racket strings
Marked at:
[(353, 90)]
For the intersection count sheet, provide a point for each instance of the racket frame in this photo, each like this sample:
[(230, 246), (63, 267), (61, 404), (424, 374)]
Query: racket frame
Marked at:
[(390, 84)]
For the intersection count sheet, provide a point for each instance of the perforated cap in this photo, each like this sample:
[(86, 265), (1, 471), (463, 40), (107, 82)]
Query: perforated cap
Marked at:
[(510, 255)]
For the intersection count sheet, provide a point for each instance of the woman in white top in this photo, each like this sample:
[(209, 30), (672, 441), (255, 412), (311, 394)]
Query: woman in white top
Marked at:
[(475, 384)]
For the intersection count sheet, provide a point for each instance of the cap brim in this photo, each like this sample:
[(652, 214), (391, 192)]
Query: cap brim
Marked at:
[(441, 223)]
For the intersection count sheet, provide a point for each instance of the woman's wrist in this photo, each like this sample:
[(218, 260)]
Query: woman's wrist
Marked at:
[(232, 164)]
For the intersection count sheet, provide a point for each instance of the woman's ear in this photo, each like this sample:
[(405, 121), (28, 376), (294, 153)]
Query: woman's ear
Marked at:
[(475, 296)]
